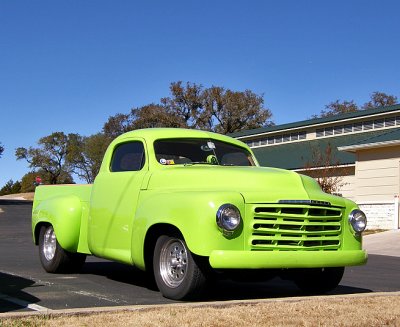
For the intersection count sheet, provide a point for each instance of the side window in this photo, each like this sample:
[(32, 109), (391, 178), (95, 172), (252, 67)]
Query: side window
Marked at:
[(128, 157)]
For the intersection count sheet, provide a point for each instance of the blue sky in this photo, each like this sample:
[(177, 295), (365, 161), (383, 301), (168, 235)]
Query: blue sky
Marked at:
[(69, 65)]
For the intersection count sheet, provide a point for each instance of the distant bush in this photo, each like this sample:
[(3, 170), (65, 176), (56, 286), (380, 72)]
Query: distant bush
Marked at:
[(11, 188), (29, 179)]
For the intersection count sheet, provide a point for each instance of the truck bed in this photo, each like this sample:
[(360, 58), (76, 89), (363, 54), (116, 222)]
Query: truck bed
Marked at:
[(44, 192)]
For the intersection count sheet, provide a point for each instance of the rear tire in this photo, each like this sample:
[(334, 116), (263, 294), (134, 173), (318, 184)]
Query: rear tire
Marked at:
[(176, 271), (53, 257), (319, 280)]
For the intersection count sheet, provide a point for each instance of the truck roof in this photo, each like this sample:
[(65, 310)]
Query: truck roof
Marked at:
[(152, 134)]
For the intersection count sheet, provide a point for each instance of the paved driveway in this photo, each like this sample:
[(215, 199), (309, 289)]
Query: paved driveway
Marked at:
[(385, 243)]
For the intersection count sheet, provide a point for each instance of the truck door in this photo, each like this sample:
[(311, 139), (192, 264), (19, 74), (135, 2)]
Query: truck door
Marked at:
[(114, 199)]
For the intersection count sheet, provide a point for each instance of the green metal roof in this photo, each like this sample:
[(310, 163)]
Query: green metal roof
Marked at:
[(390, 138), (296, 155), (317, 121), (391, 135)]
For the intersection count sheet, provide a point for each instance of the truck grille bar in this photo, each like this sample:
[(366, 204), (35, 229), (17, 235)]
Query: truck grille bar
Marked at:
[(286, 227)]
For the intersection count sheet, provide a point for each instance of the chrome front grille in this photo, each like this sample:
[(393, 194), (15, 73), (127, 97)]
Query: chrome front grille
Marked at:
[(285, 227)]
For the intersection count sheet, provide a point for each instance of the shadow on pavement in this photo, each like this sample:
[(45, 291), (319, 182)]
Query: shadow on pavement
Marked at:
[(12, 296), (219, 290), (118, 272), (15, 202)]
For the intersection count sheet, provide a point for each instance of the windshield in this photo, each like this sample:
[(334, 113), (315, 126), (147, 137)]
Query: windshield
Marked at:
[(201, 151)]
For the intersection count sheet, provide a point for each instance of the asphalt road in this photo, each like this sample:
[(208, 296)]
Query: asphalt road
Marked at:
[(25, 286)]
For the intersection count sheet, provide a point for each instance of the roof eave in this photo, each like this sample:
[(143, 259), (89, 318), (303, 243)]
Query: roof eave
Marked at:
[(367, 146)]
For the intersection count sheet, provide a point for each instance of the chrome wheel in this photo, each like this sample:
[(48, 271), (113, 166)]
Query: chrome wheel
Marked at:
[(49, 244), (53, 257), (173, 262), (176, 270)]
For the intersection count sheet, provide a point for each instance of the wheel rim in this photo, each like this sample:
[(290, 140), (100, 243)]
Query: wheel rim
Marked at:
[(173, 262), (49, 244)]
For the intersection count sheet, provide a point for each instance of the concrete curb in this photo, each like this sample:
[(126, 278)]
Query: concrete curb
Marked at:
[(216, 304)]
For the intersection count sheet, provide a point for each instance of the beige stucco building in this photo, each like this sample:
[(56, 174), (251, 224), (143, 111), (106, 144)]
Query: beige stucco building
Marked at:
[(365, 156)]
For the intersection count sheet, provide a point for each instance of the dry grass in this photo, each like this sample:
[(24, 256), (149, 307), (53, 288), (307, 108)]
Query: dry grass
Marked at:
[(322, 311)]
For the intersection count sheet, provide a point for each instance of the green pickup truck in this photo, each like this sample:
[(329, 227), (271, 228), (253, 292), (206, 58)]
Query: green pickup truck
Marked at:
[(188, 206)]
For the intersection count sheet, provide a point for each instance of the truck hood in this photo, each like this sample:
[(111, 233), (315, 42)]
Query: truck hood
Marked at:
[(256, 184)]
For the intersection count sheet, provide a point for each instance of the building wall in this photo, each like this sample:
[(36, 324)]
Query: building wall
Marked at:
[(347, 190), (380, 215), (377, 174), (377, 186)]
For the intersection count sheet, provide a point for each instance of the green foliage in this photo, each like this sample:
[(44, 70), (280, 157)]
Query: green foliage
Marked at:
[(186, 103), (28, 180), (154, 115), (227, 111), (85, 155), (49, 156), (377, 99), (117, 125), (11, 188), (1, 150), (338, 108), (380, 99), (192, 106)]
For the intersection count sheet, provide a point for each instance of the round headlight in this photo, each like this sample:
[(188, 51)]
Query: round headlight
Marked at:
[(228, 217), (358, 220)]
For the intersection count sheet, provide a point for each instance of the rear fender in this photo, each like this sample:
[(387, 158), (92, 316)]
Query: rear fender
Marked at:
[(64, 214)]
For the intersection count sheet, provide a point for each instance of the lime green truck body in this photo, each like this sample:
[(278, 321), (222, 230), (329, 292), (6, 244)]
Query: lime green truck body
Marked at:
[(286, 220)]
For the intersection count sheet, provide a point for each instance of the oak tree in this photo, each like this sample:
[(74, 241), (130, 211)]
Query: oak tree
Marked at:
[(337, 108), (49, 156), (117, 125), (377, 99), (155, 115), (85, 155), (380, 99), (185, 102), (191, 105), (227, 111)]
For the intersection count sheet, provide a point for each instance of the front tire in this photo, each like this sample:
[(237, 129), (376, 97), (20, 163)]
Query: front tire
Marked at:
[(53, 257), (318, 280), (176, 272)]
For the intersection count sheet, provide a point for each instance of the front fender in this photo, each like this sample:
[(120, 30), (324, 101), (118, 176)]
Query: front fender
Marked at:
[(192, 213), (64, 214)]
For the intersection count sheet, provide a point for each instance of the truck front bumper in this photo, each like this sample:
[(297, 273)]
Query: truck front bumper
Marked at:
[(220, 259)]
